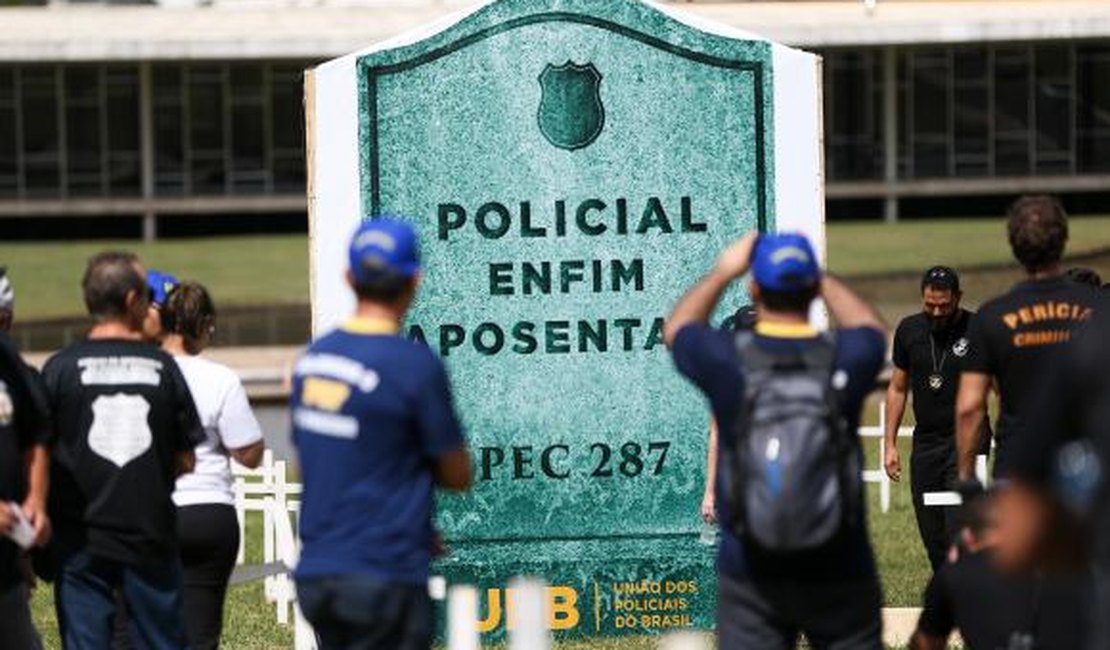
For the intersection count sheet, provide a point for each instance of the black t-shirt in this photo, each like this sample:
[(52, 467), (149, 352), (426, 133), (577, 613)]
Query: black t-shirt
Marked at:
[(23, 424), (1018, 337), (923, 353), (122, 413), (989, 607), (1075, 404)]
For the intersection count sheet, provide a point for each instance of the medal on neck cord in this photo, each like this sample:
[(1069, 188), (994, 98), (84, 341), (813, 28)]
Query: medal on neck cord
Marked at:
[(936, 380)]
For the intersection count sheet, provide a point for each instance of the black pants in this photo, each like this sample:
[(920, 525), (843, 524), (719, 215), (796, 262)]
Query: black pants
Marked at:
[(769, 615), (209, 539), (933, 469), (16, 629), (359, 613)]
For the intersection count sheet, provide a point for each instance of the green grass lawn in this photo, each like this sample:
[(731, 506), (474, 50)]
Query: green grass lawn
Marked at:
[(871, 248), (258, 270), (274, 269)]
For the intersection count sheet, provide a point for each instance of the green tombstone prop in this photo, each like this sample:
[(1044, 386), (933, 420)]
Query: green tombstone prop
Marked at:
[(573, 166)]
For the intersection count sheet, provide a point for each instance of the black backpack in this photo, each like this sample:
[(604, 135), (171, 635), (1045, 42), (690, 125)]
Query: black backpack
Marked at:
[(795, 481)]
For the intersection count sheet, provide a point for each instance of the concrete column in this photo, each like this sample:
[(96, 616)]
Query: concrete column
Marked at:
[(890, 133), (146, 142)]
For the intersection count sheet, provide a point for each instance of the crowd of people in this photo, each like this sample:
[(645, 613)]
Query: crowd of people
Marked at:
[(1020, 566), (115, 459), (114, 462)]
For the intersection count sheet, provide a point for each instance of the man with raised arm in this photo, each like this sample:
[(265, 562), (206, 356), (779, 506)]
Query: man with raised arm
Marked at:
[(794, 555)]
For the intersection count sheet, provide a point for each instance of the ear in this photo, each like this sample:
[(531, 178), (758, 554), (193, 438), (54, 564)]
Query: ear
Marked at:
[(347, 275), (131, 299), (753, 291)]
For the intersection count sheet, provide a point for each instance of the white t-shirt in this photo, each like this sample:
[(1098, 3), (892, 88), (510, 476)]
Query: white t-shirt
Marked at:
[(228, 424)]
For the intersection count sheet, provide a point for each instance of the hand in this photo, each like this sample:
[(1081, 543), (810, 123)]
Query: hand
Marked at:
[(709, 507), (35, 511), (735, 260), (892, 463)]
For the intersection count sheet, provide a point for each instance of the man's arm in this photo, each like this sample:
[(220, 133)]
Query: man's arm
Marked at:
[(249, 456), (895, 410), (696, 305), (36, 461), (849, 310), (185, 462), (922, 641), (709, 499), (452, 470), (971, 408)]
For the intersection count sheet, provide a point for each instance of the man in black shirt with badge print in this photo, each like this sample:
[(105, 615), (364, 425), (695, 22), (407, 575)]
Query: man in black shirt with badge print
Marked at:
[(928, 354), (125, 427), (1019, 336)]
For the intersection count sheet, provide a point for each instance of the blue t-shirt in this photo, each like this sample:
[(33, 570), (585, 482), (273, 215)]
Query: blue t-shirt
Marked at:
[(708, 357), (371, 414)]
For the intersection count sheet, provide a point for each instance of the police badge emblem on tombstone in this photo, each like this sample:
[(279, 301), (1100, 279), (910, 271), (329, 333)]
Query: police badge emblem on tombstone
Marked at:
[(570, 114)]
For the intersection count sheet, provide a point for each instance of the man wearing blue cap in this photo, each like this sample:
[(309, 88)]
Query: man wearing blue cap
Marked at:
[(376, 432), (794, 554)]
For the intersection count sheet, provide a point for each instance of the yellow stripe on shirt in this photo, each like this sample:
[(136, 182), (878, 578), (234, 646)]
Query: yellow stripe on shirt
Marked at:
[(371, 326), (785, 330)]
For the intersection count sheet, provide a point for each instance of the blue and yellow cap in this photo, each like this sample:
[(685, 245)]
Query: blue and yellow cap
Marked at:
[(161, 284), (785, 262), (384, 247)]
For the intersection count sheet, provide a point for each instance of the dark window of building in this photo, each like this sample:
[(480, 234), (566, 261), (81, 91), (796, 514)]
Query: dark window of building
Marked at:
[(853, 96), (1012, 86), (250, 172), (931, 74), (970, 112), (207, 138), (169, 129), (1053, 96), (40, 106), (84, 131), (287, 124), (124, 125), (9, 126), (1093, 108)]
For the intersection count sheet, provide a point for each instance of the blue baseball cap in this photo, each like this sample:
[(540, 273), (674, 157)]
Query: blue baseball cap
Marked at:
[(161, 284), (785, 262), (384, 247)]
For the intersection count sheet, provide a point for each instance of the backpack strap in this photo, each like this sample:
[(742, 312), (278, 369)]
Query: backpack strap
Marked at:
[(822, 354), (752, 357)]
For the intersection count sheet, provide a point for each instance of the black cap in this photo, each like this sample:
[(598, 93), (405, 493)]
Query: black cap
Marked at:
[(941, 277)]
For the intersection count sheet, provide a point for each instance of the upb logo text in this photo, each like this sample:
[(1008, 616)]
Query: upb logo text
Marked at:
[(562, 609)]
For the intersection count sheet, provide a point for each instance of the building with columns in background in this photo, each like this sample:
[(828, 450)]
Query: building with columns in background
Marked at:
[(186, 117)]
